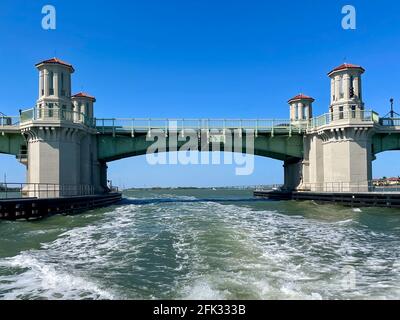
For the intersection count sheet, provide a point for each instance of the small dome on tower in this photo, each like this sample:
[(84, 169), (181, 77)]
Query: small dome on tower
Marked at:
[(55, 61), (346, 66), (301, 97), (301, 107), (84, 95)]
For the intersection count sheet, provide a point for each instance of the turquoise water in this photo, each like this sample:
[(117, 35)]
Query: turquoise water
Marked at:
[(204, 244)]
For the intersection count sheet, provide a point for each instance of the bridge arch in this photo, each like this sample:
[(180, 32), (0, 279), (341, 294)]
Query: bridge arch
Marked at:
[(279, 147)]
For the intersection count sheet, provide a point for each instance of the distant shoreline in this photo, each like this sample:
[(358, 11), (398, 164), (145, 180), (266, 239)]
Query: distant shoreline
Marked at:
[(195, 188)]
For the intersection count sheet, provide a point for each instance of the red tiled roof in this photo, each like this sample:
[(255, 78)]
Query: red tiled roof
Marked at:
[(345, 66), (56, 61), (84, 95), (301, 97)]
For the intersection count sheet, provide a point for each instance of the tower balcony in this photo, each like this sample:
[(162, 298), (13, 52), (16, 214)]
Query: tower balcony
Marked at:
[(51, 115), (344, 118)]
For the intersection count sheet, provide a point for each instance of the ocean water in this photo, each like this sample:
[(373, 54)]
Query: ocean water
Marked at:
[(204, 244)]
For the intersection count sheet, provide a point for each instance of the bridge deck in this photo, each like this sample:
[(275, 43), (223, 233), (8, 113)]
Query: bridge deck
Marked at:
[(132, 125), (144, 125)]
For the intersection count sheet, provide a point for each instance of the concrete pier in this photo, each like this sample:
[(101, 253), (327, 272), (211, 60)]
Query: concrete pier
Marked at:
[(34, 208), (352, 199)]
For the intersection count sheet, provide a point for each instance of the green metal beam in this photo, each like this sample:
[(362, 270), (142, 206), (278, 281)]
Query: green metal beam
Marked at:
[(10, 143), (385, 142), (279, 147)]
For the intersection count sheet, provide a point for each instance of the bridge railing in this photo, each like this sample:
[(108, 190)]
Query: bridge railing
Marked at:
[(58, 114), (9, 121), (362, 186), (43, 190), (124, 125), (128, 125), (272, 187), (390, 122), (357, 115)]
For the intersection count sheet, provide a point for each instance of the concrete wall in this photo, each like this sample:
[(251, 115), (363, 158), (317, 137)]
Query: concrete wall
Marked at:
[(316, 159), (338, 158), (65, 156)]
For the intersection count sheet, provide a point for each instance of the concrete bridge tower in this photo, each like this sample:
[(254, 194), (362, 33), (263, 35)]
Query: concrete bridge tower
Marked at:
[(300, 108), (346, 92), (294, 169), (337, 154), (62, 148), (92, 172), (54, 87)]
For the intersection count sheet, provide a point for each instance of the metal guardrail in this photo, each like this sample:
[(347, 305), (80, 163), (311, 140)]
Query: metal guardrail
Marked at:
[(273, 187), (9, 121), (145, 125), (259, 125), (367, 186), (43, 190), (390, 122), (124, 125), (363, 186), (328, 118), (58, 114)]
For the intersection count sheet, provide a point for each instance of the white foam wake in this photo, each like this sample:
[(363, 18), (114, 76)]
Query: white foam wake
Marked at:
[(44, 280)]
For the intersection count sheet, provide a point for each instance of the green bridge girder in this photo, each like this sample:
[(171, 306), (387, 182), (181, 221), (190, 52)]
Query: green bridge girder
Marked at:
[(11, 143), (279, 147), (385, 142)]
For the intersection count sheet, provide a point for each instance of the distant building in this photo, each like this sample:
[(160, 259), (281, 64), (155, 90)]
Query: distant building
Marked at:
[(386, 181)]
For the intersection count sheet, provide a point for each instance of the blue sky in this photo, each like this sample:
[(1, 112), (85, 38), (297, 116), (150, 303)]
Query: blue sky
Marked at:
[(179, 58)]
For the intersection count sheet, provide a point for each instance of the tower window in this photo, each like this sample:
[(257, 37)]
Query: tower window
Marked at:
[(341, 115), (351, 92), (51, 83), (351, 87), (353, 111), (62, 85), (50, 110), (42, 82)]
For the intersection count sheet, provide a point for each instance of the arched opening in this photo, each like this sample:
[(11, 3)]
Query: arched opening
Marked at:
[(136, 172), (12, 173), (386, 168)]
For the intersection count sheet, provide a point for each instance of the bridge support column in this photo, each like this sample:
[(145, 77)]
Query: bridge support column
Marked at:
[(313, 164), (293, 174), (347, 159), (53, 160), (103, 176), (62, 161)]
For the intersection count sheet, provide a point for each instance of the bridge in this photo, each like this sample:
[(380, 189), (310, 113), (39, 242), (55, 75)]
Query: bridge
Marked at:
[(61, 141)]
